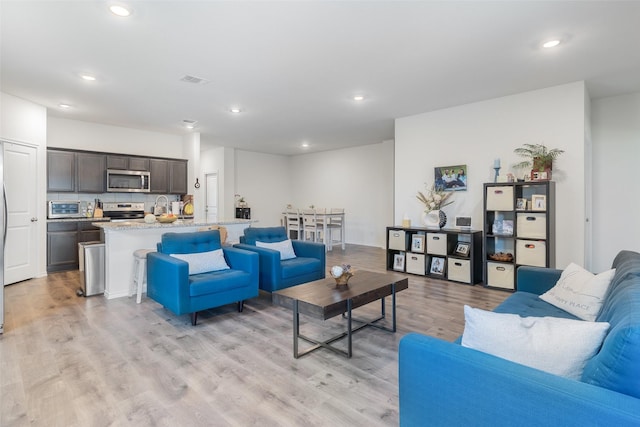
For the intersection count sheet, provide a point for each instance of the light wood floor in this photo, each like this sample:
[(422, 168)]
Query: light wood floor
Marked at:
[(74, 361)]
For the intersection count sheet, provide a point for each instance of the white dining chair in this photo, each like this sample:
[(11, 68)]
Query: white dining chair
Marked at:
[(310, 225), (335, 224), (293, 223)]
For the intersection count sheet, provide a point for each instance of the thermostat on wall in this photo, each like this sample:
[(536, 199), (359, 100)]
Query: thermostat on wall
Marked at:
[(463, 222)]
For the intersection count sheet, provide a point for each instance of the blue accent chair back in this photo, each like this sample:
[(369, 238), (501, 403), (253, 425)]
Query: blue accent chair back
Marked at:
[(308, 265), (170, 284)]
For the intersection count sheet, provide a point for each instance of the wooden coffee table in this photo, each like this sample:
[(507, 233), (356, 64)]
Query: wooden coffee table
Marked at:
[(323, 299)]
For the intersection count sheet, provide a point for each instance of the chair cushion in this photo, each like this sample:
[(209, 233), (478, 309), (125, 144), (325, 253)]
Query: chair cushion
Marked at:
[(264, 234), (527, 304), (203, 262), (187, 243), (284, 247), (299, 266), (217, 281)]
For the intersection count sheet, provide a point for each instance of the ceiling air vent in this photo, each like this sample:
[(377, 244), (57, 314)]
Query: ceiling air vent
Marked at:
[(194, 80)]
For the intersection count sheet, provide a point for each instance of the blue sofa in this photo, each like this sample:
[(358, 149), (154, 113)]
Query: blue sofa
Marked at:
[(169, 282), (308, 265), (446, 384)]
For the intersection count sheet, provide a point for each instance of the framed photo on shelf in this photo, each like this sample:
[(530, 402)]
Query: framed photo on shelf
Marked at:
[(538, 202), (462, 249), (521, 204), (437, 266), (417, 243), (398, 261)]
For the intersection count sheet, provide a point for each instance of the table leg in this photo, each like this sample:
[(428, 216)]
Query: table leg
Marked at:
[(296, 328), (393, 302), (349, 328)]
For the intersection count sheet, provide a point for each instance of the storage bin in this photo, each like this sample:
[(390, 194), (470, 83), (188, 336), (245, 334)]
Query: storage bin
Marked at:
[(500, 275), (531, 225), (500, 198), (437, 243), (415, 263), (397, 240), (531, 252), (459, 270)]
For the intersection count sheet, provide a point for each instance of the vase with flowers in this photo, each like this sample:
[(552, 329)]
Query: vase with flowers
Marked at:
[(434, 200)]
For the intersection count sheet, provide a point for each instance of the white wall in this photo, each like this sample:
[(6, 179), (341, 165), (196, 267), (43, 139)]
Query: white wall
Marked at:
[(616, 151), (359, 179), (212, 160), (78, 135), (475, 134), (25, 122)]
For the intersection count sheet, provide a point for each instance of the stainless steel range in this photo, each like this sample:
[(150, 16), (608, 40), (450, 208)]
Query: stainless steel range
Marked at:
[(123, 211)]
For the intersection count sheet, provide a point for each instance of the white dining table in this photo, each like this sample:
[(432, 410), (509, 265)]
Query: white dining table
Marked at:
[(325, 217)]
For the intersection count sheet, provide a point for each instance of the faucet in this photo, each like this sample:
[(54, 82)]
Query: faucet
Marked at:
[(156, 210)]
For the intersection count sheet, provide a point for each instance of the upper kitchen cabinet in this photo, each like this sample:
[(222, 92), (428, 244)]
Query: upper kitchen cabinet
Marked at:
[(61, 171), (127, 163), (91, 172), (177, 177), (159, 171)]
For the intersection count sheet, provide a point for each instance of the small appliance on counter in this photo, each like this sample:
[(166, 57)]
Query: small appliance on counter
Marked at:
[(57, 209)]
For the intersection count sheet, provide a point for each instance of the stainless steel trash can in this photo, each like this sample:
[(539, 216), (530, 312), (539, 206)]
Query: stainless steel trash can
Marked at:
[(91, 257)]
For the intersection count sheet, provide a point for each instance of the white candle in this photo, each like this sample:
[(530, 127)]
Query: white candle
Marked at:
[(496, 163)]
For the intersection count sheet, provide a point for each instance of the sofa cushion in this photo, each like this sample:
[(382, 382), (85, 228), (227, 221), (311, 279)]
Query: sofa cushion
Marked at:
[(203, 262), (558, 346), (284, 247), (299, 266), (617, 364), (217, 281), (579, 291)]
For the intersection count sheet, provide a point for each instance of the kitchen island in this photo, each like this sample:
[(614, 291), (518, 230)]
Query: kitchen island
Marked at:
[(122, 239)]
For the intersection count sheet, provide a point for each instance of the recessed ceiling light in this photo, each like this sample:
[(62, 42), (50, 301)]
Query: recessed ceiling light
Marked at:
[(235, 110), (120, 10), (358, 97), (304, 145), (87, 77), (551, 43), (64, 106), (189, 124)]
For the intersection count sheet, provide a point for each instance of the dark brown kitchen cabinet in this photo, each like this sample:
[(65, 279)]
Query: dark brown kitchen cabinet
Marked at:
[(127, 163), (62, 243), (159, 171), (91, 175), (177, 177), (61, 171)]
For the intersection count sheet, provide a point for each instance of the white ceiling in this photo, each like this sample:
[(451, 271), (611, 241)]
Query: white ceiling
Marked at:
[(293, 67)]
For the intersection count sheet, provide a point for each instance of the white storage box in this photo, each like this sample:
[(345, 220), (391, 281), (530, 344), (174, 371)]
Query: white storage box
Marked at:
[(500, 198), (532, 225), (437, 243), (397, 240), (459, 270), (415, 263), (531, 252), (500, 275)]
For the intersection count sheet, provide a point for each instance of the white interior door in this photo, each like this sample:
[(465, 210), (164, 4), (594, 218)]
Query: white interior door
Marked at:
[(20, 256), (211, 208)]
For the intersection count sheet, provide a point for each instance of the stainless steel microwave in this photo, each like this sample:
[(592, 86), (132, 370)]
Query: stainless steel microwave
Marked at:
[(123, 181)]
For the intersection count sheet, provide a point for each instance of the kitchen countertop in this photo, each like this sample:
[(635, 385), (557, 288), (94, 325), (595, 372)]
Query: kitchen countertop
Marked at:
[(141, 225), (81, 219)]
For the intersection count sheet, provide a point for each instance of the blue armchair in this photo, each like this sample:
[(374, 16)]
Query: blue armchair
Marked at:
[(308, 265), (170, 284)]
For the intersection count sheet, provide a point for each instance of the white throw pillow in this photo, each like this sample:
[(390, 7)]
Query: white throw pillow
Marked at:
[(580, 292), (284, 247), (558, 346), (203, 262)]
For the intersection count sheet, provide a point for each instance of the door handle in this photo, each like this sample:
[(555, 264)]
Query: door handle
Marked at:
[(34, 219)]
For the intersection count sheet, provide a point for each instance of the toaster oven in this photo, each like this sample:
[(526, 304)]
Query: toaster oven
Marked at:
[(64, 209)]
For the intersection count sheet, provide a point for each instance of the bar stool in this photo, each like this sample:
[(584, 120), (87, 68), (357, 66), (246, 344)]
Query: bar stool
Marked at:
[(140, 270)]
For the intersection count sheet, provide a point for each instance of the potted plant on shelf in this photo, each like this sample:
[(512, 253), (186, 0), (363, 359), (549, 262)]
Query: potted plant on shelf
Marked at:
[(539, 159)]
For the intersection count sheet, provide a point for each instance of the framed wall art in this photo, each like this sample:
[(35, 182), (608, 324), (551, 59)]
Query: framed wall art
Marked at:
[(451, 178)]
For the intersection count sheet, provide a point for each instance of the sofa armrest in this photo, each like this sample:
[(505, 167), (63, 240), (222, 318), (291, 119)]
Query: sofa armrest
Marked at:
[(269, 262), (537, 280), (240, 259), (168, 281), (445, 384)]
